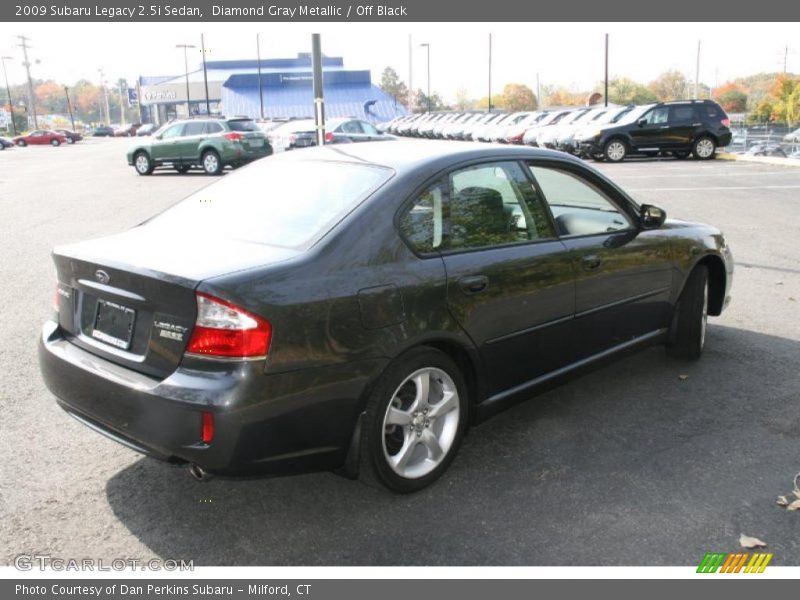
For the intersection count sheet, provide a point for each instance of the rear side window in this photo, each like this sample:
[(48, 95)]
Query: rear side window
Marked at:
[(681, 114), (195, 128), (172, 131), (213, 127), (242, 125), (351, 127), (287, 203), (423, 224), (712, 111)]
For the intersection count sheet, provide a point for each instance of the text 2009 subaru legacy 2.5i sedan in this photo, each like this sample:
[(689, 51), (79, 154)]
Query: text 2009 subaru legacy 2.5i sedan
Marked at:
[(357, 308)]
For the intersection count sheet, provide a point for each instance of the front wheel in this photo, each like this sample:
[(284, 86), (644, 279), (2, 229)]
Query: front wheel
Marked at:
[(211, 163), (704, 148), (615, 151), (414, 422), (55, 143), (687, 334), (21, 143), (143, 164), (70, 140)]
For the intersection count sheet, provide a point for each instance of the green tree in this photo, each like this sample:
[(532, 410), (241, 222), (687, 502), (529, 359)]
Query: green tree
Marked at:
[(670, 85), (392, 85), (436, 103), (622, 90)]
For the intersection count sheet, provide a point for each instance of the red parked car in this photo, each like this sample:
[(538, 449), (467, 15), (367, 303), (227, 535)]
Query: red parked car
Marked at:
[(41, 136)]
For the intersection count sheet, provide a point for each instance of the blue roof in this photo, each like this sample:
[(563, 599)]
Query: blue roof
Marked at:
[(342, 100), (302, 60)]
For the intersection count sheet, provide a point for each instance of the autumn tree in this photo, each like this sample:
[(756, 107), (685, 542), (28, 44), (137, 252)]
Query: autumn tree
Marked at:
[(732, 97), (786, 94), (622, 90), (670, 85), (517, 97)]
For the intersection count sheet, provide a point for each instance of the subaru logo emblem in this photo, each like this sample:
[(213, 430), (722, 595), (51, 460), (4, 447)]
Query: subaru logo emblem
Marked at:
[(101, 276)]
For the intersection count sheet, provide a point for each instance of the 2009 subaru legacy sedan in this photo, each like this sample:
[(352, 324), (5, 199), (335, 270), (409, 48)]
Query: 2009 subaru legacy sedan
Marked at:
[(356, 308)]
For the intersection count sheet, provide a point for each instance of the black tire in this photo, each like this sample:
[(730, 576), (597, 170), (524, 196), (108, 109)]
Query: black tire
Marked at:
[(182, 168), (680, 154), (378, 439), (143, 163), (688, 330), (598, 157), (704, 148), (55, 143), (211, 163), (615, 150), (21, 143), (70, 140)]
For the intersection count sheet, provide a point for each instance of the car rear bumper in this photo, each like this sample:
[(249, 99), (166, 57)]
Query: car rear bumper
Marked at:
[(281, 423)]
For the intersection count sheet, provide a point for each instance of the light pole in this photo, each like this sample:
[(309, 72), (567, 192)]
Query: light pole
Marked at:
[(105, 94), (3, 59), (186, 71), (205, 73), (427, 46), (490, 72), (69, 108)]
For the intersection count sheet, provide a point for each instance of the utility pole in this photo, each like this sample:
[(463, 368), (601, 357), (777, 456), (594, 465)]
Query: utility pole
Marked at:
[(697, 74), (69, 108), (605, 80), (121, 106), (205, 73), (410, 77), (260, 89), (427, 46), (319, 99), (3, 59), (105, 94), (785, 58), (27, 65), (539, 103), (186, 73), (490, 72)]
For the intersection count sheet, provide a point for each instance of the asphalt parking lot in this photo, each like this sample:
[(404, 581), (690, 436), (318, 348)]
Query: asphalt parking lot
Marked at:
[(649, 461)]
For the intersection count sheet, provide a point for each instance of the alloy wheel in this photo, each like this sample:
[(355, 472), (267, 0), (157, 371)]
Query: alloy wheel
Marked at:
[(615, 151), (421, 423), (142, 163), (705, 148)]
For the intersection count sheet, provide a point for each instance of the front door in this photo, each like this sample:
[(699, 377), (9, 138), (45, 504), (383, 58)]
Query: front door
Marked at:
[(623, 273), (651, 131), (165, 148)]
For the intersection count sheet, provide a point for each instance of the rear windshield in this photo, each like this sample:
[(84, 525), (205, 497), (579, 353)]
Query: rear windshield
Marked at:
[(243, 125), (277, 202)]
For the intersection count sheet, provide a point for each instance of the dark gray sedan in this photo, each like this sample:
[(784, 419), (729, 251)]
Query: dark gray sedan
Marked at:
[(358, 307)]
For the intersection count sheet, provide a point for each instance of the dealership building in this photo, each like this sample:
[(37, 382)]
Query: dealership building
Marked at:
[(286, 90)]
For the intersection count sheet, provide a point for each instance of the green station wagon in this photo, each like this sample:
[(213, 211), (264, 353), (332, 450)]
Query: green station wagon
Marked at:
[(208, 143)]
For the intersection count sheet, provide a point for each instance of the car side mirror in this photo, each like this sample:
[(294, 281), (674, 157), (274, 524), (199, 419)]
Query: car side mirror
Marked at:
[(652, 217), (641, 122)]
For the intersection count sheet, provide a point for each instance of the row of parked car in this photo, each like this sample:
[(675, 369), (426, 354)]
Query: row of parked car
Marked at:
[(684, 128)]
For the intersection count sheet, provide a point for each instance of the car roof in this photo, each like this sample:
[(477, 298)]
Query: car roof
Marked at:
[(407, 155)]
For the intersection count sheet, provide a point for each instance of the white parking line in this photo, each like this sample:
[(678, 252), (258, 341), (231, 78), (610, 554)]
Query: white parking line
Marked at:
[(726, 174), (720, 187)]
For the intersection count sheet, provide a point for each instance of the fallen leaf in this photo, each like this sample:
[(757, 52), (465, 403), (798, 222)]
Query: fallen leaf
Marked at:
[(683, 377), (794, 505), (782, 501), (745, 541), (778, 283)]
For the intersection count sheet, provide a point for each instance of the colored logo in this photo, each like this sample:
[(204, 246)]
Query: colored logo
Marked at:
[(738, 562)]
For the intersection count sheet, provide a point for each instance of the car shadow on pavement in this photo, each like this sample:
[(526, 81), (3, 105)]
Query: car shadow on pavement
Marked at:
[(648, 461)]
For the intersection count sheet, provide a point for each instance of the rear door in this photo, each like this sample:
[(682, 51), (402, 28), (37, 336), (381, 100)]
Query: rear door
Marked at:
[(188, 144), (684, 123), (510, 281)]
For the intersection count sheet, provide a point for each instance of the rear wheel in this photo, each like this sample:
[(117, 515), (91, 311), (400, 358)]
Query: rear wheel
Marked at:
[(704, 148), (70, 140), (211, 163), (687, 335), (414, 422), (21, 143), (143, 164), (615, 151)]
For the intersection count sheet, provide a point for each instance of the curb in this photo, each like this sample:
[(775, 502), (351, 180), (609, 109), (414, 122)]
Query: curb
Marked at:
[(764, 160)]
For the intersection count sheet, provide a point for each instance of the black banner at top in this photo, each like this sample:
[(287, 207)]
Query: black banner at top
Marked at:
[(397, 10)]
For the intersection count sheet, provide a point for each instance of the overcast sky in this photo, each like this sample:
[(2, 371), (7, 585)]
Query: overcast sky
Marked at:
[(569, 54)]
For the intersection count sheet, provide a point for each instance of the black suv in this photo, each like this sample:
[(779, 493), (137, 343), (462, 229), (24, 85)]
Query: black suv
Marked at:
[(685, 127)]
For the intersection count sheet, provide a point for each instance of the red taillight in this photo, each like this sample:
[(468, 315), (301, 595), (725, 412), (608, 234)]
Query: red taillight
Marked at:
[(329, 137), (234, 136), (226, 330), (207, 428), (726, 122)]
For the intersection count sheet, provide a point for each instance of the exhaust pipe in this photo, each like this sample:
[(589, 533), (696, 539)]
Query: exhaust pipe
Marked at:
[(198, 473)]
